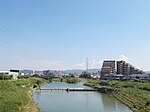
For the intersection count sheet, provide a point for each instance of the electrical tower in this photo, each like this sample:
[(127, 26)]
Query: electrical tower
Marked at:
[(87, 64)]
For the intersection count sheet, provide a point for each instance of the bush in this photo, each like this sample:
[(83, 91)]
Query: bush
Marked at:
[(5, 77), (85, 75), (71, 80), (147, 103), (38, 82), (23, 77)]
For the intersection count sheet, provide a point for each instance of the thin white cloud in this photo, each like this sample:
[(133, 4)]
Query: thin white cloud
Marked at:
[(94, 63), (40, 64), (56, 65), (81, 65)]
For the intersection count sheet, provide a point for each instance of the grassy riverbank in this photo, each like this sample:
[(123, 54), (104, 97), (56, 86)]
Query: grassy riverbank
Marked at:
[(15, 96), (135, 95), (72, 80), (69, 80)]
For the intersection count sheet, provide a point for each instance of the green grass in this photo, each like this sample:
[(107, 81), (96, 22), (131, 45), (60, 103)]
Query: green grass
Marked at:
[(71, 80), (83, 80), (136, 95), (14, 95)]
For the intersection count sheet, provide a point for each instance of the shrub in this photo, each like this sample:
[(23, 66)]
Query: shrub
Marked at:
[(147, 103), (23, 77), (5, 77)]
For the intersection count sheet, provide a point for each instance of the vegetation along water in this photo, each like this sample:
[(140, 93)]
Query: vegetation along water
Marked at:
[(135, 95), (15, 96)]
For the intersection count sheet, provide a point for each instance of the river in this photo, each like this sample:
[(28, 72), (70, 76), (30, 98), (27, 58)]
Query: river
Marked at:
[(62, 101)]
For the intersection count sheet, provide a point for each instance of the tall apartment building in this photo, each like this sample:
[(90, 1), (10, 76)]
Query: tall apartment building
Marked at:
[(120, 65), (108, 67), (127, 69), (123, 68)]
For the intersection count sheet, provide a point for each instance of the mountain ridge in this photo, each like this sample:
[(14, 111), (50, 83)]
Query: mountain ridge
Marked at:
[(72, 71)]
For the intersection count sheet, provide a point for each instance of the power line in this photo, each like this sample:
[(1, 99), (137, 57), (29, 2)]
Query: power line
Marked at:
[(16, 41)]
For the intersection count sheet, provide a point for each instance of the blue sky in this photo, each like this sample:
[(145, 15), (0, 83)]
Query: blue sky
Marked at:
[(60, 34)]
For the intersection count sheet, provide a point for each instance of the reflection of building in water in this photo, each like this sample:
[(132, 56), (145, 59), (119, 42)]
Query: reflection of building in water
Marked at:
[(109, 103)]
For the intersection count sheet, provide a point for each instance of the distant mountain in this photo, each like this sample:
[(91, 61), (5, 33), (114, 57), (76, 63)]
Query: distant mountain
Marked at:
[(31, 71), (80, 71), (94, 70), (64, 72), (147, 72), (26, 71), (73, 71)]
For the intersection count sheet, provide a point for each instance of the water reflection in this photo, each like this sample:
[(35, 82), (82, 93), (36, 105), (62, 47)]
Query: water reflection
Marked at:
[(62, 101)]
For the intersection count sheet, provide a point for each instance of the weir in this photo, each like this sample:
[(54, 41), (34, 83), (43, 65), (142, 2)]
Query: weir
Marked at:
[(67, 89)]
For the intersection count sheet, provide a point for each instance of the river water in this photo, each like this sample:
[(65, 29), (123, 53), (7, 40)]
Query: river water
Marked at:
[(62, 101)]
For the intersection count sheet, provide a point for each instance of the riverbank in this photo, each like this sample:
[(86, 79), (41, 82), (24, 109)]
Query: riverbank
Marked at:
[(16, 96), (62, 101), (70, 80), (136, 95)]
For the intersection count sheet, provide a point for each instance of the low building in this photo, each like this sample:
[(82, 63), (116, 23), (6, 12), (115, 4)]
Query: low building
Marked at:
[(139, 77), (14, 73), (95, 75), (48, 73), (113, 77), (51, 73)]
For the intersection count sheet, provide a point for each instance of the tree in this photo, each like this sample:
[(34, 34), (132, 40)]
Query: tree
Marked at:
[(85, 75)]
